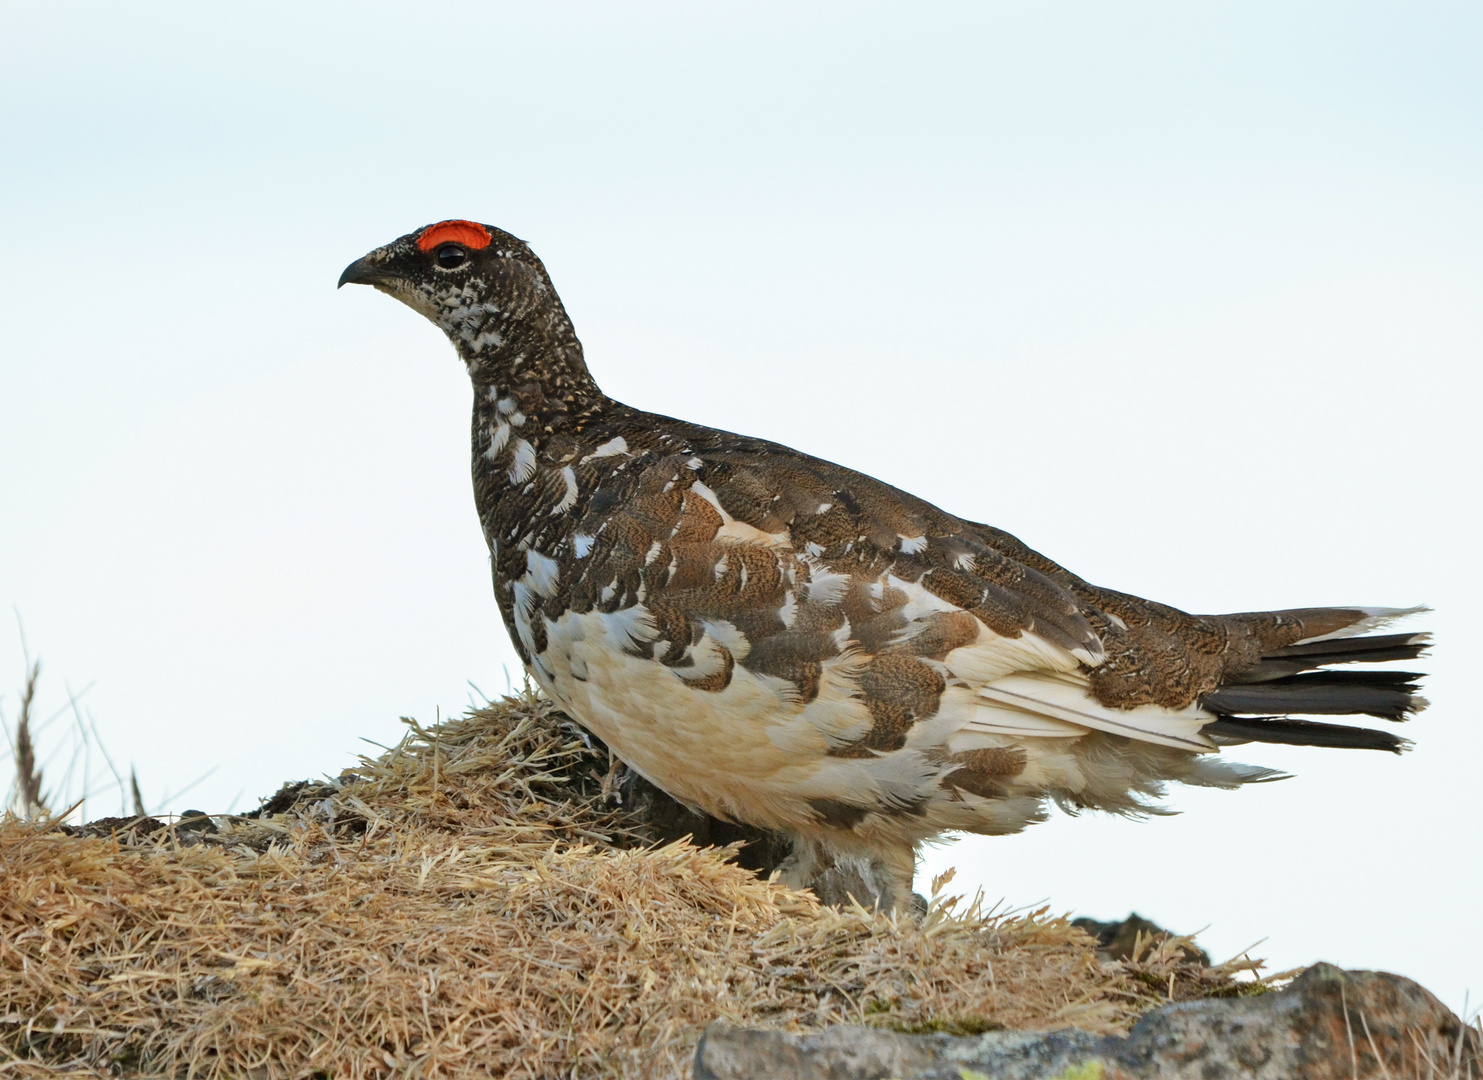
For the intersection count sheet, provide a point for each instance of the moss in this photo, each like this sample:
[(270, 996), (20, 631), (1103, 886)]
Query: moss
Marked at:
[(949, 1025), (1092, 1070), (1235, 989)]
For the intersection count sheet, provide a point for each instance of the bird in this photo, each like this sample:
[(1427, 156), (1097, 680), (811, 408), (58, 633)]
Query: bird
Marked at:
[(782, 642)]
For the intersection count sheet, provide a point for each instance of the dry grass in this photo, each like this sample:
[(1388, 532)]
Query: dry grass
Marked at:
[(77, 767), (470, 904), (26, 796)]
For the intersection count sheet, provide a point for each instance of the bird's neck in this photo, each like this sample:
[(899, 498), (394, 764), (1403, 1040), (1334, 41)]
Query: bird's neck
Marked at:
[(533, 400), (528, 373)]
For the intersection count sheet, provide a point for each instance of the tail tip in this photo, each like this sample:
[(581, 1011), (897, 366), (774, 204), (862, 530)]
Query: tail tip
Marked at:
[(1370, 618)]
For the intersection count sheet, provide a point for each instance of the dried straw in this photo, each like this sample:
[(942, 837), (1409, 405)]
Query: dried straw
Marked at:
[(470, 904)]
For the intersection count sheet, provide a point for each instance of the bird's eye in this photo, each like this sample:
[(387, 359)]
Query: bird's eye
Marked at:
[(451, 255)]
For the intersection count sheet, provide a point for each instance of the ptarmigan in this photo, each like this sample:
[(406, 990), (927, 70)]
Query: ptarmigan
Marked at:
[(780, 641)]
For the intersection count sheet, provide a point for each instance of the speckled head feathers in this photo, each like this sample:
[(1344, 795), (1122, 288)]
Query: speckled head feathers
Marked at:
[(489, 293)]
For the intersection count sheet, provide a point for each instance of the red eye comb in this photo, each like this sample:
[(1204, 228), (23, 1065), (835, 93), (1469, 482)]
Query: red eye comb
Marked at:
[(468, 233)]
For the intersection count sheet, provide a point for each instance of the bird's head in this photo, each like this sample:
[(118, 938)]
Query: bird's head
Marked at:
[(483, 287)]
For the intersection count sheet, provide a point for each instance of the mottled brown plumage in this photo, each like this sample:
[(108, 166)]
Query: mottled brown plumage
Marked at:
[(781, 641)]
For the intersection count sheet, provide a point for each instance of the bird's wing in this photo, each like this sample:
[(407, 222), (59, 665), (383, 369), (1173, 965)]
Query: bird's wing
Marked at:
[(1067, 699), (808, 575)]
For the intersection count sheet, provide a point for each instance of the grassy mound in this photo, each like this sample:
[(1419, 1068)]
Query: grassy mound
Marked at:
[(473, 903)]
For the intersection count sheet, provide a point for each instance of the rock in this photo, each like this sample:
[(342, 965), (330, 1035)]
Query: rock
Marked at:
[(1328, 1024), (195, 821), (1118, 940)]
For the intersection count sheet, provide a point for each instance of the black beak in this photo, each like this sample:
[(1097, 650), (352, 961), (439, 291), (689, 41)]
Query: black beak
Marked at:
[(362, 272)]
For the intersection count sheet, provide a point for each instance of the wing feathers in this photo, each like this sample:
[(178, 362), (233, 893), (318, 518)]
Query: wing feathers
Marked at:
[(804, 560), (998, 718), (1066, 699)]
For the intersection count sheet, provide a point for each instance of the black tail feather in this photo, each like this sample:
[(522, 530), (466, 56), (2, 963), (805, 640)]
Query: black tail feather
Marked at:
[(1343, 650), (1277, 729), (1390, 695), (1369, 649), (1253, 705)]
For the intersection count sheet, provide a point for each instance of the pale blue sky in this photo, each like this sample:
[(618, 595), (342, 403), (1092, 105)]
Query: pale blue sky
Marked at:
[(1186, 296)]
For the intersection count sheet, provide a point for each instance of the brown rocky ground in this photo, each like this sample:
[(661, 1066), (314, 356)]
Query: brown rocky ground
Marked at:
[(488, 898)]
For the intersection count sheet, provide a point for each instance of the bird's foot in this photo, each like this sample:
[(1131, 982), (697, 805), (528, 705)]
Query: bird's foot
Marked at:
[(881, 881), (612, 781)]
